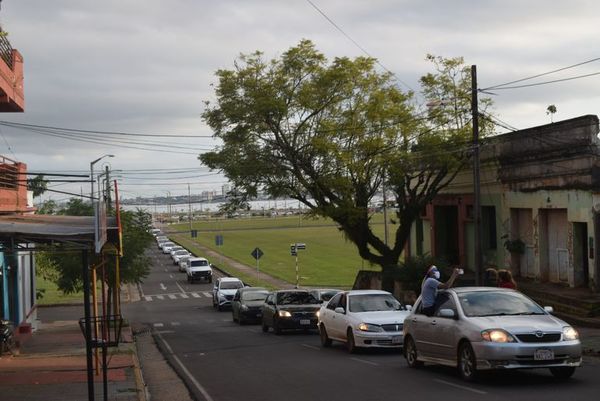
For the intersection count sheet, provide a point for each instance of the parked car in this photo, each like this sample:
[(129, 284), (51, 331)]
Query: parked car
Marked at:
[(198, 269), (155, 231), (179, 253), (290, 309), (246, 303), (183, 262), (324, 294), (363, 318), (224, 291), (482, 328), (160, 241), (167, 246)]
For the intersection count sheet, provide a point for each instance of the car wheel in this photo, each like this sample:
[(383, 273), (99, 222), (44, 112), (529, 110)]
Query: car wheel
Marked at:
[(325, 340), (350, 343), (276, 327), (467, 364), (210, 280), (410, 353), (265, 327), (562, 373)]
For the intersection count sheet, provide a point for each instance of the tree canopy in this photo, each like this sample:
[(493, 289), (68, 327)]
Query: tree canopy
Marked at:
[(329, 133)]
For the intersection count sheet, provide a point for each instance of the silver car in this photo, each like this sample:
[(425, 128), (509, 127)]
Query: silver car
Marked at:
[(482, 328)]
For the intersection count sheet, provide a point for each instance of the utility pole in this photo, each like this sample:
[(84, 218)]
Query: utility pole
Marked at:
[(476, 179), (190, 207), (385, 219), (108, 200)]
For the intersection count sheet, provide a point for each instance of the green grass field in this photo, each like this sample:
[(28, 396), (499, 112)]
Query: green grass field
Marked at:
[(329, 260), (53, 295)]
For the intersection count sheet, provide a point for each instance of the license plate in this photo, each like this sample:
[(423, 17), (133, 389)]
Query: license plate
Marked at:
[(397, 340), (259, 315), (305, 321), (543, 355)]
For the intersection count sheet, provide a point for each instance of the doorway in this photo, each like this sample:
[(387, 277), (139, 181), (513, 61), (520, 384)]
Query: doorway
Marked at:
[(446, 234), (580, 254)]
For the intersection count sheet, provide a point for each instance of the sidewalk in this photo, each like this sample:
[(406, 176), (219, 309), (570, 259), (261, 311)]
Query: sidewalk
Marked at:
[(51, 365)]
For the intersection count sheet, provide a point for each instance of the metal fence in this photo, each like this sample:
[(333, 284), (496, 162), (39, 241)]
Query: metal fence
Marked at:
[(6, 50)]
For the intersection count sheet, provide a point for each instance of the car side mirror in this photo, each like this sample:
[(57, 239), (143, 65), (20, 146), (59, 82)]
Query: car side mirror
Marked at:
[(408, 307), (447, 313), (549, 309), (270, 303), (339, 309)]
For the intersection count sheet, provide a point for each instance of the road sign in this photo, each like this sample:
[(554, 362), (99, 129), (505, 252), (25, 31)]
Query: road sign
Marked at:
[(194, 233), (219, 240), (257, 253), (300, 245)]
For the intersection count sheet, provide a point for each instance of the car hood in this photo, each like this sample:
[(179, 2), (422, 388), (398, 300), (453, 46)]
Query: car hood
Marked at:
[(200, 269), (253, 304), (382, 317), (300, 308), (519, 324), (228, 292)]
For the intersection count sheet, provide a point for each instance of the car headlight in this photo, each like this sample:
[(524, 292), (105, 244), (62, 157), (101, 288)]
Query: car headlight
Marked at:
[(497, 336), (570, 334), (370, 327), (284, 313), (221, 296), (318, 313), (244, 307)]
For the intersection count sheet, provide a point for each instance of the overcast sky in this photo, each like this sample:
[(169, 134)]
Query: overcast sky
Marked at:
[(146, 66)]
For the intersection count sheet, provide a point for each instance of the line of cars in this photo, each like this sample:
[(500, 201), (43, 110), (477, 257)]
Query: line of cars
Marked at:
[(195, 268), (473, 329)]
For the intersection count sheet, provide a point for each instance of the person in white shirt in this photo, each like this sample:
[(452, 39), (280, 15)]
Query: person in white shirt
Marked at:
[(430, 286)]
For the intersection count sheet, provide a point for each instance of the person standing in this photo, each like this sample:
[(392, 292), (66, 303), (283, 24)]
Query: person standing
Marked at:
[(506, 280), (430, 286)]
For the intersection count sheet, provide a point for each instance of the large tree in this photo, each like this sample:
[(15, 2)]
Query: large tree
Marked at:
[(330, 133)]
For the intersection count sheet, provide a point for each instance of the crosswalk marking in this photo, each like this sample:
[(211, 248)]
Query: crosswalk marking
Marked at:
[(175, 324), (160, 297), (207, 294), (158, 325), (147, 298), (176, 295), (184, 295), (195, 295), (172, 296)]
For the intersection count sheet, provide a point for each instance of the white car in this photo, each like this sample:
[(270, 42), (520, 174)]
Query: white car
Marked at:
[(183, 262), (224, 290), (175, 249), (198, 269), (167, 246), (178, 254), (363, 318)]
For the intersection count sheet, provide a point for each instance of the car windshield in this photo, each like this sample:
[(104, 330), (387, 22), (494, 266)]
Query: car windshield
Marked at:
[(296, 298), (497, 303), (181, 252), (327, 295), (196, 263), (255, 295), (373, 303), (169, 244), (231, 285)]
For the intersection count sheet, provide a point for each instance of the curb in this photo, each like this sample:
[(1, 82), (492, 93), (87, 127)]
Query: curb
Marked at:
[(142, 388)]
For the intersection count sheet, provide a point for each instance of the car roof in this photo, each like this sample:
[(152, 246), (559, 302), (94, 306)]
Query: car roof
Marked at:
[(463, 290), (290, 290), (367, 292), (229, 279), (326, 289), (195, 258)]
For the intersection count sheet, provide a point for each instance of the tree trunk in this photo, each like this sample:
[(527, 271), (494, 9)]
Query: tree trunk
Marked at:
[(388, 277)]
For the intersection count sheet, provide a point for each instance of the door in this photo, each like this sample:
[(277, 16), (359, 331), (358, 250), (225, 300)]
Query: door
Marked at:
[(420, 325), (446, 234), (443, 330), (580, 254), (268, 309), (558, 254)]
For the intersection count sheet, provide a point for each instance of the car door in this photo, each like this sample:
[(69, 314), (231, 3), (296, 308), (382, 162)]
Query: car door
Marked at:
[(420, 325), (443, 330), (338, 321), (329, 315), (268, 309), (235, 305), (215, 291)]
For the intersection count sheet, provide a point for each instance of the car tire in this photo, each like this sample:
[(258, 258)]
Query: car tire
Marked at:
[(265, 327), (276, 327), (210, 280), (350, 342), (410, 353), (562, 373), (467, 363), (325, 340)]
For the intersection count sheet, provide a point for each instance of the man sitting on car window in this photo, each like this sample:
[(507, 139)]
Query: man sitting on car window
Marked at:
[(430, 286)]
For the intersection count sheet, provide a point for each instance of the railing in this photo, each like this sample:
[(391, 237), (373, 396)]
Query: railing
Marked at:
[(6, 50), (9, 173)]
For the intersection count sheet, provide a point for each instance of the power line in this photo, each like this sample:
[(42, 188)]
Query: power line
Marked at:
[(7, 145), (543, 83), (356, 43), (542, 74)]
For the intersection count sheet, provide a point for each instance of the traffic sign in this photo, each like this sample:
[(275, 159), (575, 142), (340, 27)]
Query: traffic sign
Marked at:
[(257, 253), (194, 233), (300, 245), (219, 240)]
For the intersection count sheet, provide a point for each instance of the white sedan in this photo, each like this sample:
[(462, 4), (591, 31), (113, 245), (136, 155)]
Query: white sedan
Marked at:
[(363, 318)]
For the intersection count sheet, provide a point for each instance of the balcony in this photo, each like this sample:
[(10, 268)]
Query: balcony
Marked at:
[(12, 99), (13, 186)]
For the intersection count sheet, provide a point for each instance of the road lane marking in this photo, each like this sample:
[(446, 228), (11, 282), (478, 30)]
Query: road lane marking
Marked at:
[(207, 294), (170, 276), (148, 298), (184, 296), (461, 387), (307, 346), (158, 324), (166, 270), (172, 296), (180, 288), (175, 324), (364, 361), (165, 332), (163, 287), (195, 295), (160, 297), (202, 390)]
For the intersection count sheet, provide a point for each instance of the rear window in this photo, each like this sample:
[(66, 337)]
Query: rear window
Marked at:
[(199, 263)]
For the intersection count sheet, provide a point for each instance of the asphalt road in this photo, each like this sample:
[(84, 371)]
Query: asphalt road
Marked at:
[(222, 361)]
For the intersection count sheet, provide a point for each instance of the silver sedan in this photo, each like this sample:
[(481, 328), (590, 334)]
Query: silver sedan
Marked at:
[(482, 328)]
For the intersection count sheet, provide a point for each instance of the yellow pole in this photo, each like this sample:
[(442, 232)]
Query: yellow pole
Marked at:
[(117, 294), (95, 301)]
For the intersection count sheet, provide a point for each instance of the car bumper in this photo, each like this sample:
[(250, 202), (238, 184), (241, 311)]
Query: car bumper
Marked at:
[(200, 276), (251, 314), (379, 340), (522, 355), (298, 324), (225, 302)]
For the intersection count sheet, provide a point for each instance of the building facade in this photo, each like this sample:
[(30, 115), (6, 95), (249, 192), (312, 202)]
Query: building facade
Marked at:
[(540, 197)]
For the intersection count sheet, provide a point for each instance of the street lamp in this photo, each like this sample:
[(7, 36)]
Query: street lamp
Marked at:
[(92, 174)]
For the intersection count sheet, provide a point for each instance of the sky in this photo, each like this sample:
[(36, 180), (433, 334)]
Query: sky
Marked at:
[(147, 67)]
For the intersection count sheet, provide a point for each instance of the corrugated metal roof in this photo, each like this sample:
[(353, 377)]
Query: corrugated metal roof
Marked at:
[(50, 226)]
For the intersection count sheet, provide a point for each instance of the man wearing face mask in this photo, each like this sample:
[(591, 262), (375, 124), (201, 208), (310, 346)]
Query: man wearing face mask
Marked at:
[(430, 286)]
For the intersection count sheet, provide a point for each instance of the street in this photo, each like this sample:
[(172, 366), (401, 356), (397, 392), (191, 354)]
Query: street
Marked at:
[(222, 361)]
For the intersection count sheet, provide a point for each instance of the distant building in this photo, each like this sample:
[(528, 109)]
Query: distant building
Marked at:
[(225, 189)]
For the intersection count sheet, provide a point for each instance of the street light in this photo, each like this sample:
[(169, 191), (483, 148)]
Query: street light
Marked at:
[(92, 174)]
